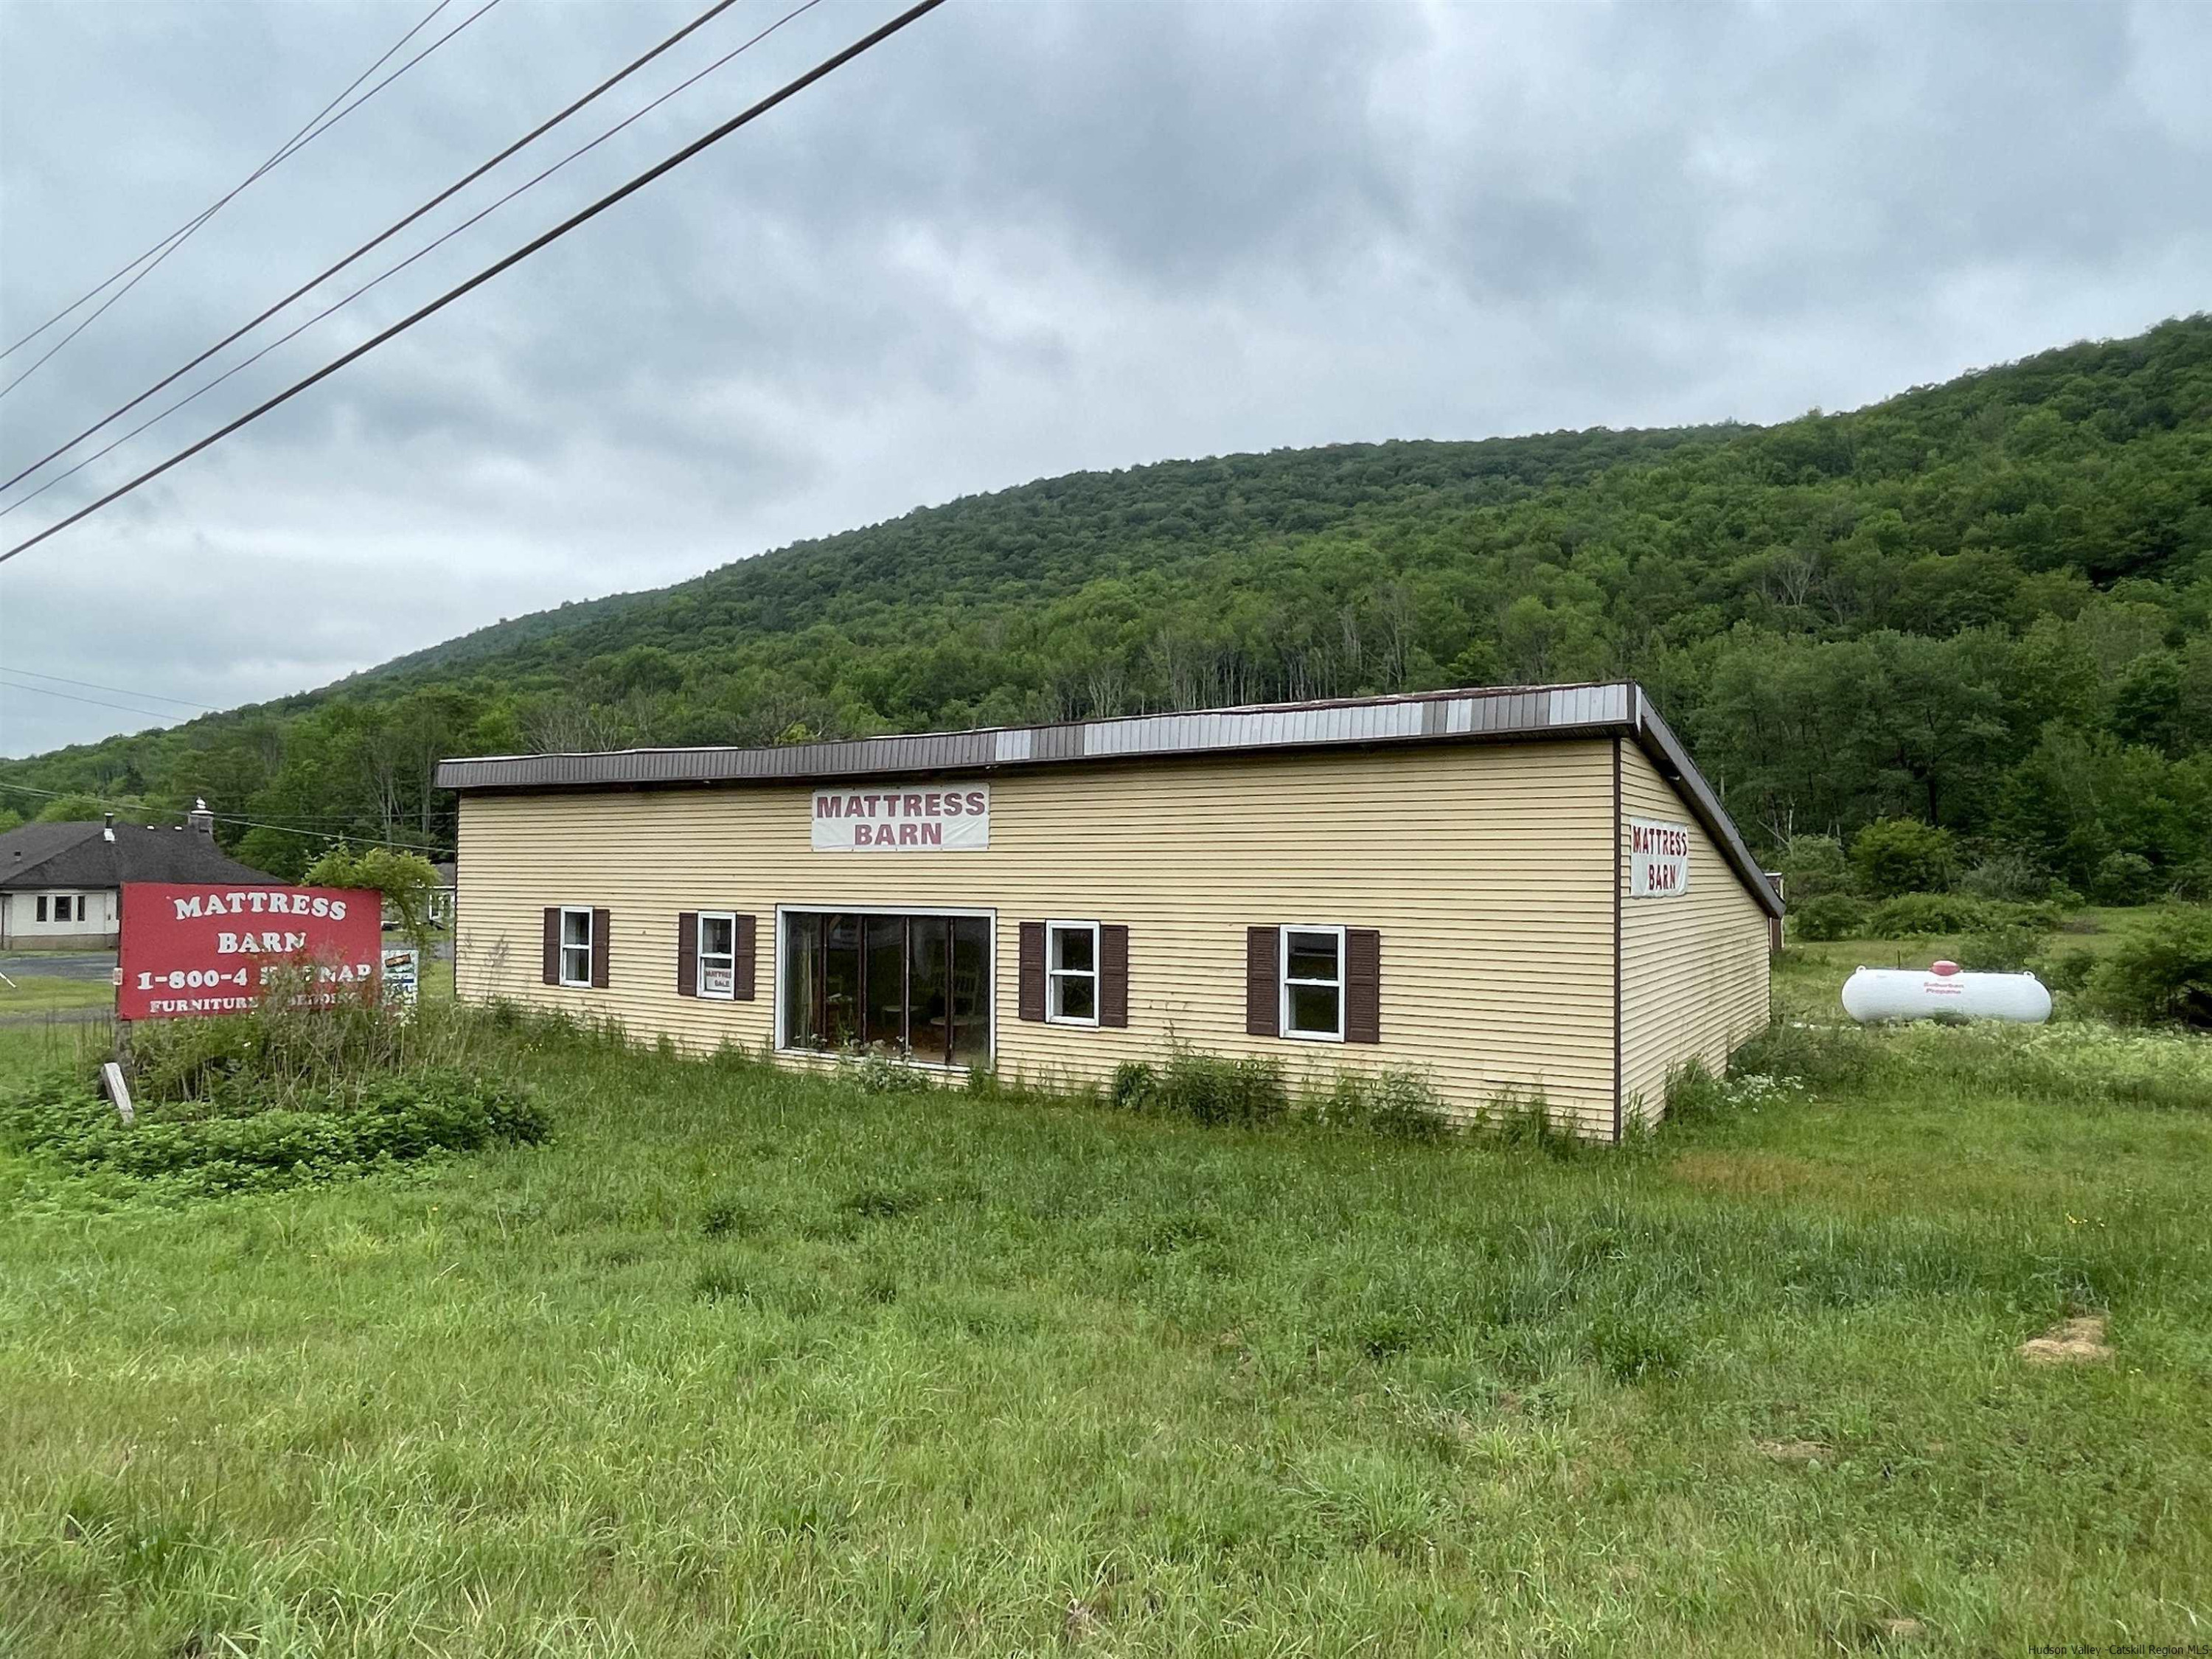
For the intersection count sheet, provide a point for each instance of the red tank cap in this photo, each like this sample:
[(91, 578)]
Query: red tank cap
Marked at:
[(1946, 969)]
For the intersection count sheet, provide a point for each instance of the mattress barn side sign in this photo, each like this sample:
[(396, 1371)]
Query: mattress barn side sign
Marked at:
[(193, 949), (903, 818), (1659, 858)]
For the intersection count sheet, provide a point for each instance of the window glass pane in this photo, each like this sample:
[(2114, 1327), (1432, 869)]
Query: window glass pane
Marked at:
[(716, 936), (971, 991), (576, 965), (886, 1016), (1074, 996), (1071, 948), (1313, 1008), (576, 927), (42, 907), (802, 965), (840, 981), (1311, 955), (929, 1025)]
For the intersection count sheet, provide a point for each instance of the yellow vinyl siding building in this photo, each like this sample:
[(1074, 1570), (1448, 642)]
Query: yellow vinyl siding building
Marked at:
[(1422, 884), (1692, 967)]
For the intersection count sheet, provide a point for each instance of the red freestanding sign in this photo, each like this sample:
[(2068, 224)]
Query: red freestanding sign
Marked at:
[(189, 949)]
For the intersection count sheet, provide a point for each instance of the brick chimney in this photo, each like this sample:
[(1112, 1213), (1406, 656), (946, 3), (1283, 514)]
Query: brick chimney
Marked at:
[(200, 818)]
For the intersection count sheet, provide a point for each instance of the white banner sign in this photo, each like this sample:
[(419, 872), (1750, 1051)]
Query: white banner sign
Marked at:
[(913, 818), (1659, 855)]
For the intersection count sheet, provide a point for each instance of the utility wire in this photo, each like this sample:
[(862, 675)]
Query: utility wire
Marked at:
[(196, 218), (714, 136), (121, 690), (462, 183), (293, 829), (26, 499), (97, 703), (305, 135)]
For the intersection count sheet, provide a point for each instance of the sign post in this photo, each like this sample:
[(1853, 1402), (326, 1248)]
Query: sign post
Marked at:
[(189, 950)]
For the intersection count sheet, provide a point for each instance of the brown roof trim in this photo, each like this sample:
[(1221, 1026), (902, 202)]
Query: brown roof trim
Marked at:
[(1496, 715)]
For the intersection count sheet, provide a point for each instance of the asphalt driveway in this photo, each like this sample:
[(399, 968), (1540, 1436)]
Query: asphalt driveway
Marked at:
[(58, 964)]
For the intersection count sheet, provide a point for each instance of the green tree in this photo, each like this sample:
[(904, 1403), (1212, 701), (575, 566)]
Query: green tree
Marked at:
[(407, 882), (1903, 855)]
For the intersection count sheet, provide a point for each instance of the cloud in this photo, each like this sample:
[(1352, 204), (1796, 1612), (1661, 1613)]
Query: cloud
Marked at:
[(1016, 240)]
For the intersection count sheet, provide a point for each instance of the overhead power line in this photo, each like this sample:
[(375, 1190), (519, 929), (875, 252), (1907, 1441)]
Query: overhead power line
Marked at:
[(298, 142), (97, 702), (383, 236), (293, 829), (284, 150), (430, 247), (714, 135), (120, 690)]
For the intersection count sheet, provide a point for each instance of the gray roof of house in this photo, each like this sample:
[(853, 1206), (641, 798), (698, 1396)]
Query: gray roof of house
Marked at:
[(81, 855), (1499, 715)]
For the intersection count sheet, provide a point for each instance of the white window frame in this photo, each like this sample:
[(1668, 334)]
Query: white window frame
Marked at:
[(700, 955), (1284, 983), (1053, 976), (589, 947)]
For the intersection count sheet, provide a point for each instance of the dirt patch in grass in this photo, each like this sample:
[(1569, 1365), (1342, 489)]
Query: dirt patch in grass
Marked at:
[(1761, 1173), (2070, 1342), (1794, 1451)]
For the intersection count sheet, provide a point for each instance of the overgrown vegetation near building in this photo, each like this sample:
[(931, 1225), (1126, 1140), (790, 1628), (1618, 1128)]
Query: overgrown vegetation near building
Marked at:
[(744, 1359)]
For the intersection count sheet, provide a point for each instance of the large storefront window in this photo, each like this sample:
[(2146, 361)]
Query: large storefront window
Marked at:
[(896, 984)]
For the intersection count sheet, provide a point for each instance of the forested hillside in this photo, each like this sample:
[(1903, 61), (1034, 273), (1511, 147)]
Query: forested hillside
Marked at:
[(1986, 605)]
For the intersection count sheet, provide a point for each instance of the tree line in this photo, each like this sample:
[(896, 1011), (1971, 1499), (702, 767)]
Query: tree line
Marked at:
[(1986, 606)]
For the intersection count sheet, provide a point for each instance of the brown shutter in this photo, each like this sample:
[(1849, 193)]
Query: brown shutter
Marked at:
[(687, 953), (741, 970), (552, 946), (1263, 990), (1363, 984), (602, 925), (1113, 974), (1029, 976)]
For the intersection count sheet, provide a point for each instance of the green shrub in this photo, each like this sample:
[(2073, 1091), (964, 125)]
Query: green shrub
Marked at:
[(1211, 1090), (1910, 915), (2003, 947), (1402, 1104), (1813, 867), (2066, 970), (1828, 916), (203, 1147), (1135, 1085), (2161, 976), (2124, 879), (2009, 877), (1902, 855), (874, 1073)]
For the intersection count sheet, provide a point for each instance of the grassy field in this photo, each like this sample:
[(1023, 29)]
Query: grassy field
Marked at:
[(747, 1363)]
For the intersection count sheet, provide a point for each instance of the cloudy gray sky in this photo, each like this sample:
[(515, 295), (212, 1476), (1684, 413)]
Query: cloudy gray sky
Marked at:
[(1018, 240)]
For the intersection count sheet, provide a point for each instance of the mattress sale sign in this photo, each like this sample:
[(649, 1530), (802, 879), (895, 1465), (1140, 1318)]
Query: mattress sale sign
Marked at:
[(1659, 858), (188, 949), (909, 818)]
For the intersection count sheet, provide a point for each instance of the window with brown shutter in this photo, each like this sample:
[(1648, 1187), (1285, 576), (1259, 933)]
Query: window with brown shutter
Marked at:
[(1262, 989), (687, 953), (602, 926), (1363, 984), (741, 990), (1113, 974), (552, 945), (1029, 972)]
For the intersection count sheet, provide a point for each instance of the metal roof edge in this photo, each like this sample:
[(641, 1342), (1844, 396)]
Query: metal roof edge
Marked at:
[(1493, 713)]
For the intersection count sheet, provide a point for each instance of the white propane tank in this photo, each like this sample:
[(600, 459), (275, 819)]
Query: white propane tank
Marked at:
[(1883, 994)]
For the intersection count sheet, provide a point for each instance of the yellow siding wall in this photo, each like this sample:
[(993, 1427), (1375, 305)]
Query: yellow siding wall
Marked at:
[(1694, 966), (1484, 866)]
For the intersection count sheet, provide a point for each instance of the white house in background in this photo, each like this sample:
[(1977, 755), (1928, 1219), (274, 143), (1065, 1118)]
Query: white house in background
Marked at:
[(61, 884)]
